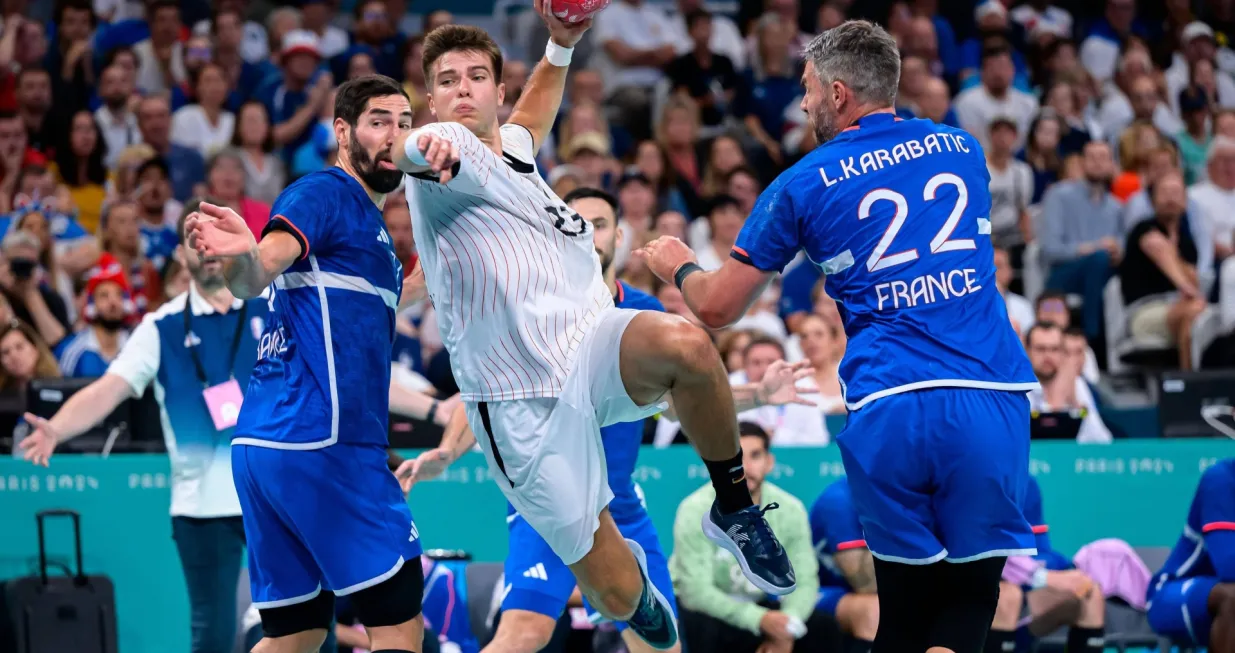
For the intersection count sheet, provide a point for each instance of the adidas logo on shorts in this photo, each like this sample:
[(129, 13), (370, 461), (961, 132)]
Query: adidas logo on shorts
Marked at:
[(537, 572)]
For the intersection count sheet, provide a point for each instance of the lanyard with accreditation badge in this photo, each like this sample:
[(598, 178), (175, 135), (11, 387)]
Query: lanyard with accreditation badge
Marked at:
[(222, 400)]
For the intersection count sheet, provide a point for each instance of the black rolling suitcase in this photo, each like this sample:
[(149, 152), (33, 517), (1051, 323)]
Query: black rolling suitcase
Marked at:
[(75, 613)]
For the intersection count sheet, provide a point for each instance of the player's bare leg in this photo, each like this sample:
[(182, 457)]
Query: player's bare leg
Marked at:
[(407, 636), (521, 631), (858, 615), (1222, 607), (664, 355), (308, 641), (608, 575)]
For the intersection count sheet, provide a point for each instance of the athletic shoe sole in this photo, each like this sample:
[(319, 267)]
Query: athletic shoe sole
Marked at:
[(721, 538)]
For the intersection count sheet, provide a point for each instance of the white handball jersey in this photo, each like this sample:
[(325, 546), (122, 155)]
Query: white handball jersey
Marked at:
[(512, 271)]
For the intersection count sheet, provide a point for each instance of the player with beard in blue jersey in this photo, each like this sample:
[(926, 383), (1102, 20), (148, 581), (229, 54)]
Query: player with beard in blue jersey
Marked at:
[(896, 214), (539, 586), (1192, 598)]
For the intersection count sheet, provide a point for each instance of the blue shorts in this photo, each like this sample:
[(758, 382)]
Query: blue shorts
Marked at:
[(940, 474), (1180, 610), (540, 582), (829, 598), (332, 519)]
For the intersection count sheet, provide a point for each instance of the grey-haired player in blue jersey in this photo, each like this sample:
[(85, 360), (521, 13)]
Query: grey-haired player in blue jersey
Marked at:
[(896, 214)]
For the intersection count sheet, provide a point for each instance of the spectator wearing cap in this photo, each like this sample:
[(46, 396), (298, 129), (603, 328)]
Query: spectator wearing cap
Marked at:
[(1101, 47), (710, 78), (589, 152), (1194, 140), (22, 283), (65, 252), (995, 96), (1159, 278), (109, 311), (136, 250), (316, 16), (1011, 187), (1041, 14), (1081, 234), (1214, 198), (161, 56), (994, 30), (197, 352), (724, 37), (294, 99), (1196, 44), (185, 166)]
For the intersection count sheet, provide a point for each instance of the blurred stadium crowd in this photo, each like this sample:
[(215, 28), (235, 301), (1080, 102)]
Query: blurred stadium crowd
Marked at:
[(1109, 129)]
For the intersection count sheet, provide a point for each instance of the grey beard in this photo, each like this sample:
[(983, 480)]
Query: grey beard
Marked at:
[(825, 128)]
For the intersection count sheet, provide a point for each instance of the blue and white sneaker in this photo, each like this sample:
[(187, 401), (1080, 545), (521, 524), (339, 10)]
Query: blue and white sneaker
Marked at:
[(653, 621), (748, 537)]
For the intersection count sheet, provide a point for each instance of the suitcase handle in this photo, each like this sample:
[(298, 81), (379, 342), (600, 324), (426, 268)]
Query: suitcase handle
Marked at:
[(40, 517)]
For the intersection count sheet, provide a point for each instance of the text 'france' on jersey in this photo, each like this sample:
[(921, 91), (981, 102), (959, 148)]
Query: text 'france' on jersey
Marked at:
[(511, 270), (897, 216), (323, 367)]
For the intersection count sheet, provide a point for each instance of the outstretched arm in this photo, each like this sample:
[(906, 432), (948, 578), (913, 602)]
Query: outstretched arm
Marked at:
[(719, 298), (251, 273), (538, 106), (218, 232)]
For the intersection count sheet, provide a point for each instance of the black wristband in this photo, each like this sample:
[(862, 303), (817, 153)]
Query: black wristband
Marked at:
[(432, 411), (684, 271)]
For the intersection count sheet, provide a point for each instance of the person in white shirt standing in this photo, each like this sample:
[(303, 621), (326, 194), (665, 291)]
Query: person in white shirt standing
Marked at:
[(195, 344), (540, 353)]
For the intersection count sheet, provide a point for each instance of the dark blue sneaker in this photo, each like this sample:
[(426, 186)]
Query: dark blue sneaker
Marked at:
[(653, 620), (748, 537)]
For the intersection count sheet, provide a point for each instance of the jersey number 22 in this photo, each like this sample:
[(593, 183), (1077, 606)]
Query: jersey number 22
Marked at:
[(942, 242)]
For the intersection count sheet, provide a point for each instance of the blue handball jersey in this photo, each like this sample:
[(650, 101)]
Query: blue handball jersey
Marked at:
[(621, 441), (896, 213), (323, 368), (1207, 545)]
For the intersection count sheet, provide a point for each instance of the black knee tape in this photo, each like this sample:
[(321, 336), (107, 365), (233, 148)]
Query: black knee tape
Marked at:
[(316, 613), (969, 595), (394, 600)]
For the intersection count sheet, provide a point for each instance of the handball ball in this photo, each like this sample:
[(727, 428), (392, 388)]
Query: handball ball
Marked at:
[(574, 11)]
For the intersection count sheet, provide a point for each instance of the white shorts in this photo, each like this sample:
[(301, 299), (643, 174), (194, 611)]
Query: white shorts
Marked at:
[(546, 453)]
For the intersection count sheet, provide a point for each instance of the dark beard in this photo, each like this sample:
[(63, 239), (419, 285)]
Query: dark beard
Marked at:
[(110, 325), (380, 181), (115, 104)]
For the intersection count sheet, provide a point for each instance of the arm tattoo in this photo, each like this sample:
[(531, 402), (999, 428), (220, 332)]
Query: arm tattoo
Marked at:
[(858, 566)]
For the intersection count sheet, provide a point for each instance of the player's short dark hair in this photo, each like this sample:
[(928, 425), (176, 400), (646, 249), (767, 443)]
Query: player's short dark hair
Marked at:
[(1040, 326), (1074, 331), (155, 162), (64, 6), (1002, 122), (761, 339), (586, 192), (860, 55), (353, 97), (751, 429), (155, 5), (722, 201), (995, 48), (26, 71), (460, 38)]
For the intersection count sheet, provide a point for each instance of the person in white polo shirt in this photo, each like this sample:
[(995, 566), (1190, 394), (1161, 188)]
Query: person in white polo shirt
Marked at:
[(197, 350)]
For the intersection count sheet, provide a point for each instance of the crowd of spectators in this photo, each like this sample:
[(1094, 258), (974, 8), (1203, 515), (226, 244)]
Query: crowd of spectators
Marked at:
[(1110, 139)]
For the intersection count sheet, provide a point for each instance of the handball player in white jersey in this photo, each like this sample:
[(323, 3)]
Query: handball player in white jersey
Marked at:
[(542, 357)]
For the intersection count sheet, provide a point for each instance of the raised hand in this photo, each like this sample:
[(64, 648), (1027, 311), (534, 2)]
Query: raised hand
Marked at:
[(217, 231), (425, 467), (563, 33), (39, 445), (665, 255), (779, 385)]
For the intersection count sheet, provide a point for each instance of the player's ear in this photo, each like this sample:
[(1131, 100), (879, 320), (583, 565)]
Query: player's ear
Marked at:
[(342, 130), (501, 93), (618, 238), (178, 255)]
